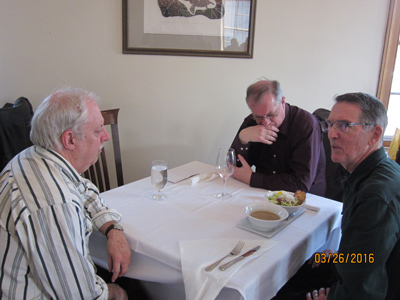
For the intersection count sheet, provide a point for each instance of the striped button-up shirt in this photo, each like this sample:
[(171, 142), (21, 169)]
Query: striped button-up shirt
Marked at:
[(47, 213)]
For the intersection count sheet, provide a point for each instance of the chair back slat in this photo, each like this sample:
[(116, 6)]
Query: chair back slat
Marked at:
[(105, 170), (99, 173)]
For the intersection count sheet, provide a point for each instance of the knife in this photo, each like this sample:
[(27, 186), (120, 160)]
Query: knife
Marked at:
[(232, 262), (184, 178)]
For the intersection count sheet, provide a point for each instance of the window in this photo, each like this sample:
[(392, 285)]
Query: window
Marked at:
[(394, 98), (236, 27), (389, 79)]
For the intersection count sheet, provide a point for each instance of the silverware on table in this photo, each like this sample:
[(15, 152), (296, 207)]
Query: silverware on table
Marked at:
[(184, 178), (235, 251), (232, 262)]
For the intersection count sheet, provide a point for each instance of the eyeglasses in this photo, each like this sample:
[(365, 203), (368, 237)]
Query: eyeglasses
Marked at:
[(341, 125), (268, 117)]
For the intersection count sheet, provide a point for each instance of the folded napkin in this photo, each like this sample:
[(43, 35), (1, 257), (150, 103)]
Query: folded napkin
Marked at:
[(202, 177), (310, 207), (198, 254)]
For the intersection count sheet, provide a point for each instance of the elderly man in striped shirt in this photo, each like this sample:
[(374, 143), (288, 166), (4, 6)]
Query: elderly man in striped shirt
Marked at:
[(48, 211)]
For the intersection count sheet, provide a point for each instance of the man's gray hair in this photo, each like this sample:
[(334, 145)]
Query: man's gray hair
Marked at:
[(63, 110), (257, 90), (372, 109)]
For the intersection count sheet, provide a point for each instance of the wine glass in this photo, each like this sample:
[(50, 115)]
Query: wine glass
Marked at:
[(226, 161), (159, 178)]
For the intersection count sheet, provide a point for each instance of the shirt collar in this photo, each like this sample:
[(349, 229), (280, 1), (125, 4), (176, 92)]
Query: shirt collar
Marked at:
[(366, 166), (65, 165)]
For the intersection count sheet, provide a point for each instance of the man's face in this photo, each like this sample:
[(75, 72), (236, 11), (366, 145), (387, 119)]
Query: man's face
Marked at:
[(267, 111), (351, 148), (94, 135)]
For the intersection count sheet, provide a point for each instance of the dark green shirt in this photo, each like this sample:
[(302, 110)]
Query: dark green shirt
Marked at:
[(371, 232)]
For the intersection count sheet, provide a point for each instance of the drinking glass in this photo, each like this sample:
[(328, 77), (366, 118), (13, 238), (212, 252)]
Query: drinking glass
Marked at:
[(159, 178), (226, 161)]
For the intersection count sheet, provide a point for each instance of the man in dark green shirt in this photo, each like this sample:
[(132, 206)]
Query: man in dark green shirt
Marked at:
[(367, 264)]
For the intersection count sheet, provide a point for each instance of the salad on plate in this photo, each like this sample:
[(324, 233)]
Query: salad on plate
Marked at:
[(284, 198)]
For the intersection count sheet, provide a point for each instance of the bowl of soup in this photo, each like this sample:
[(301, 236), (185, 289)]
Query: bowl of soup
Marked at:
[(265, 216)]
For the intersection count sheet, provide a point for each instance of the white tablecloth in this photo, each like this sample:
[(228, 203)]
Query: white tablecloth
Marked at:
[(154, 230)]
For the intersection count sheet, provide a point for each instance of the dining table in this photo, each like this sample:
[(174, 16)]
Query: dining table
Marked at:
[(173, 240)]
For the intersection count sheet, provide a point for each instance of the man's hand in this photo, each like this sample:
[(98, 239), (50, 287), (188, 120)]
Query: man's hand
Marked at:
[(260, 134), (115, 292), (244, 173), (326, 253), (119, 253), (318, 295)]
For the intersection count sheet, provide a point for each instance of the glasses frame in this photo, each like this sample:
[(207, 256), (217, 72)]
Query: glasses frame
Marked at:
[(343, 126), (268, 117)]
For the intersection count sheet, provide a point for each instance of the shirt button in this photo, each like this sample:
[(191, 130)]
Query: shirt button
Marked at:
[(274, 155), (247, 148), (273, 172), (241, 148)]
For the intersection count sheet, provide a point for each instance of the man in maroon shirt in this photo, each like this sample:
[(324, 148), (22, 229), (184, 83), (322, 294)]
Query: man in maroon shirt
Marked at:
[(282, 141)]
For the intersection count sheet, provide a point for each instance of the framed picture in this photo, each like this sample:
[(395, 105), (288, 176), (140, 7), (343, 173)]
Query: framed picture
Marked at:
[(220, 28)]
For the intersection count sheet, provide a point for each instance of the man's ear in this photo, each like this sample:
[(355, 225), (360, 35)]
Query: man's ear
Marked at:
[(378, 132), (68, 140)]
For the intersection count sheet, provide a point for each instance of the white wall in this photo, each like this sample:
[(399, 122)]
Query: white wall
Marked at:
[(183, 108)]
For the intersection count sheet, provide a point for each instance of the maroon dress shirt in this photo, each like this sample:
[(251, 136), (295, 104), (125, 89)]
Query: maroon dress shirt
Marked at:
[(295, 161)]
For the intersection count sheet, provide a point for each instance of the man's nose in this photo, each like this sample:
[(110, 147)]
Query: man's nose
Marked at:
[(332, 133), (106, 136), (265, 121)]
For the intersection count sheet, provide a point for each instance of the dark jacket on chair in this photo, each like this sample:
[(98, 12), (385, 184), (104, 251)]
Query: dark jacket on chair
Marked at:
[(15, 126), (335, 173)]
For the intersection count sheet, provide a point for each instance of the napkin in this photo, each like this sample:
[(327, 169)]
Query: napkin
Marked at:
[(310, 207), (198, 254), (202, 177)]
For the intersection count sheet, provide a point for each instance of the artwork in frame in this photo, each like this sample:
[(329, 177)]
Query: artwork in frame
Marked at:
[(219, 28)]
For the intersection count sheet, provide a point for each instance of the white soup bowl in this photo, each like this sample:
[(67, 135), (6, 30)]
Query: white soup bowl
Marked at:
[(265, 225)]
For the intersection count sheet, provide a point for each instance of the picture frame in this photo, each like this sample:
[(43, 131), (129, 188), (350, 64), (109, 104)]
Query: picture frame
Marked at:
[(214, 28)]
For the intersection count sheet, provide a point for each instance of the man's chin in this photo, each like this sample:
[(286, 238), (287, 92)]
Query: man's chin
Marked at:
[(336, 153), (94, 162), (336, 157)]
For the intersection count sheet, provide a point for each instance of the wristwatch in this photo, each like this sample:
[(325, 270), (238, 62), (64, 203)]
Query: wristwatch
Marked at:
[(113, 226)]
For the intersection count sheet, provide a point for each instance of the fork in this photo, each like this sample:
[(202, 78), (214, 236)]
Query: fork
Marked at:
[(235, 251)]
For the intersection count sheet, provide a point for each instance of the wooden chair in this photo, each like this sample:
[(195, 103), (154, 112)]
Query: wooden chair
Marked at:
[(394, 146), (398, 155), (98, 173)]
